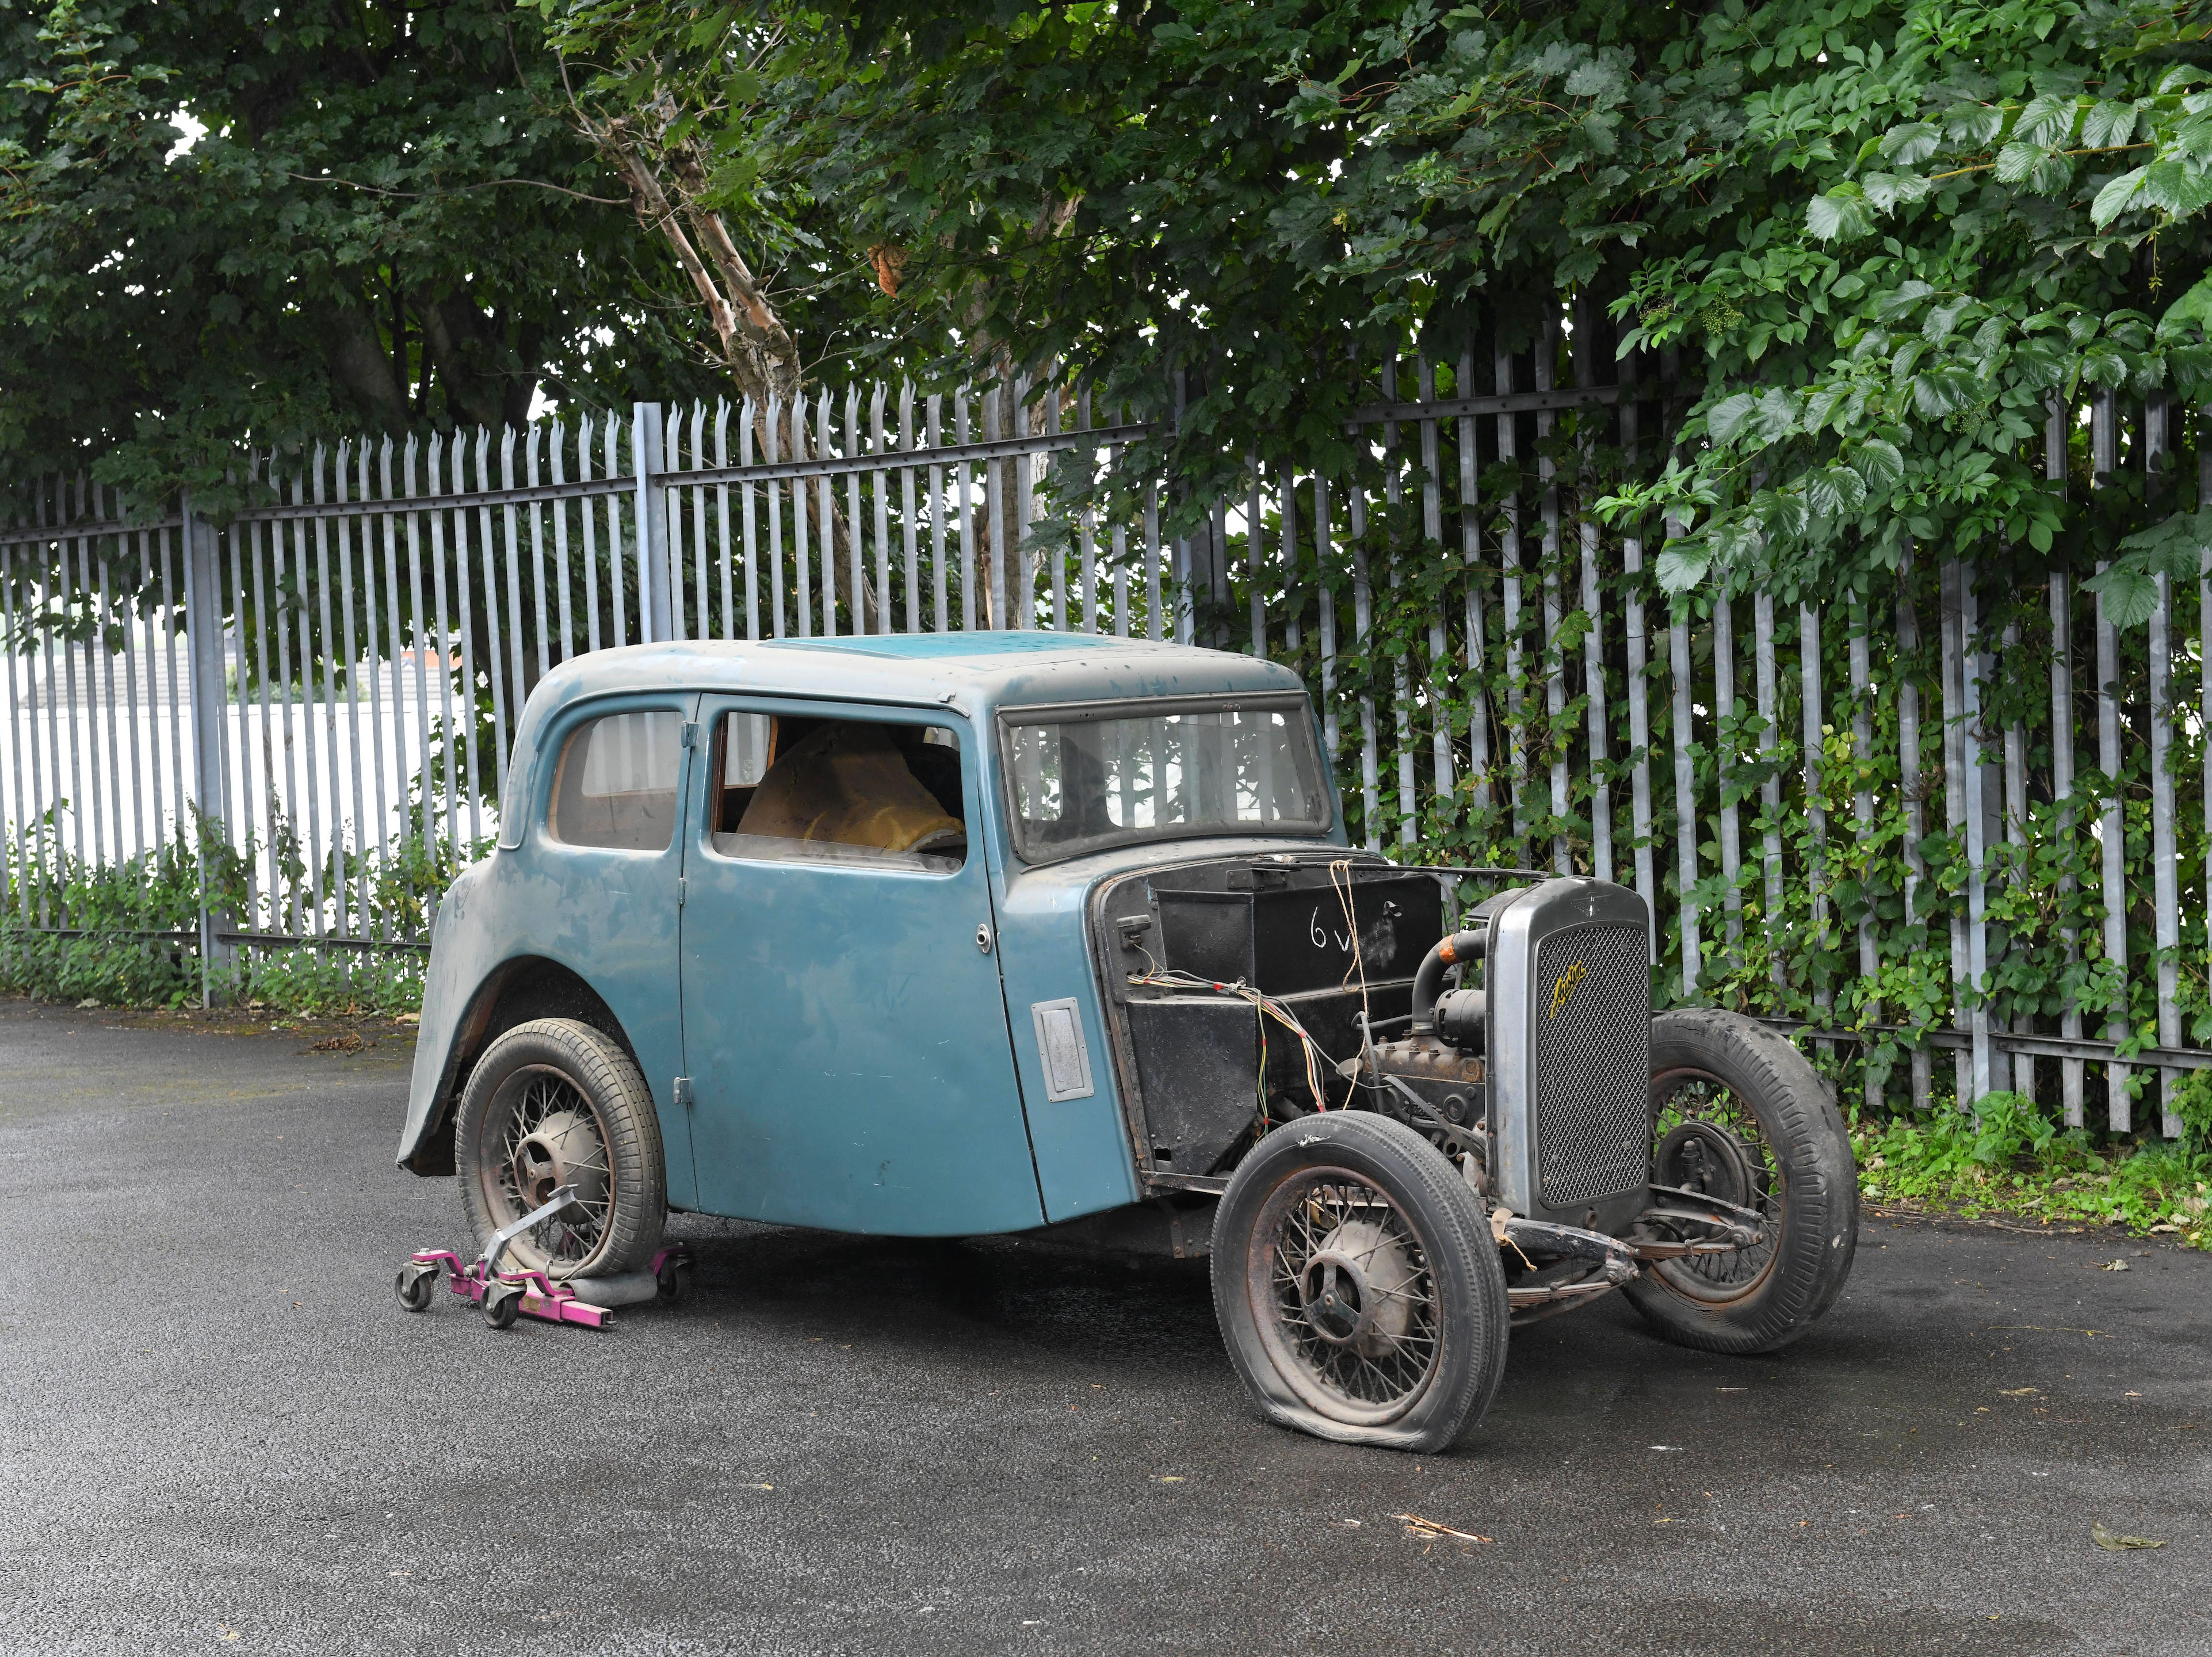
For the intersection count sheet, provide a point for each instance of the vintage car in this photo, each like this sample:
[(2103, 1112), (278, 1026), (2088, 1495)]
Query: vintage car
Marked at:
[(974, 934)]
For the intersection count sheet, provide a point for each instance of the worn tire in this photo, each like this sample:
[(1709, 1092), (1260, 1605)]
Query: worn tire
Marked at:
[(1807, 1181), (634, 1189), (1467, 1301)]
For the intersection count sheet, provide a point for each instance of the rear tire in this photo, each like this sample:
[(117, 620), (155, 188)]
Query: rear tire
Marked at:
[(555, 1102), (1358, 1287), (1738, 1112)]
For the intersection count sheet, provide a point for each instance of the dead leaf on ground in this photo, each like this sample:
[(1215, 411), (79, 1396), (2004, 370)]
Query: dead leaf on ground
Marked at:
[(349, 1041), (1429, 1530), (2113, 1265), (2016, 1392), (2113, 1542)]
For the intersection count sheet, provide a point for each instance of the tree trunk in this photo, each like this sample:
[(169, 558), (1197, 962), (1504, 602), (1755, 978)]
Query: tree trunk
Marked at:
[(758, 349)]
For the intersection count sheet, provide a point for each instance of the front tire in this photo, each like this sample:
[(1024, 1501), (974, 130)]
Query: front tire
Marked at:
[(1740, 1114), (555, 1102), (1358, 1287)]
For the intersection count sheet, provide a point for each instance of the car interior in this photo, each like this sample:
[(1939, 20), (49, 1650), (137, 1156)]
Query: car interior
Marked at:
[(791, 787)]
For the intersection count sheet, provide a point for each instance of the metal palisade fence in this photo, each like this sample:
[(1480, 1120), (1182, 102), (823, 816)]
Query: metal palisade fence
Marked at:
[(1954, 811)]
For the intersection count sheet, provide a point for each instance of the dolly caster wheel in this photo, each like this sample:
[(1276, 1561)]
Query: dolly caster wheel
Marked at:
[(501, 1305), (673, 1281), (414, 1286)]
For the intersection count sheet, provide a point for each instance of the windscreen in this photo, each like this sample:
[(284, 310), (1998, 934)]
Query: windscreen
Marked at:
[(1100, 777)]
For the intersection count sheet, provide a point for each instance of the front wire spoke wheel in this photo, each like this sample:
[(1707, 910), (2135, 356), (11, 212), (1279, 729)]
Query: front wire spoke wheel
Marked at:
[(1739, 1115), (1705, 1138), (1358, 1286), (1354, 1306), (554, 1102)]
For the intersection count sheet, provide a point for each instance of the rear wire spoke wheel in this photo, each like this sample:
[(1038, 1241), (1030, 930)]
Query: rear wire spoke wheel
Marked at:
[(555, 1103), (1738, 1114), (1358, 1287)]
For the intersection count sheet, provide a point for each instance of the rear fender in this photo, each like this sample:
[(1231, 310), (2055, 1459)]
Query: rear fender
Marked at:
[(514, 992)]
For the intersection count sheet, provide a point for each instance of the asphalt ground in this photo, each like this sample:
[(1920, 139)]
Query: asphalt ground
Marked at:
[(219, 1433)]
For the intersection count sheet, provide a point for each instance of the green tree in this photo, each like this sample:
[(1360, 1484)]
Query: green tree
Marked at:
[(388, 220), (1883, 232)]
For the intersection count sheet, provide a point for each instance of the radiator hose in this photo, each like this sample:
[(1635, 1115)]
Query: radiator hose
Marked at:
[(1429, 981)]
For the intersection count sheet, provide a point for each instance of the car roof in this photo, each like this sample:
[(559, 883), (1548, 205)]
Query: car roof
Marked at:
[(974, 673), (978, 671)]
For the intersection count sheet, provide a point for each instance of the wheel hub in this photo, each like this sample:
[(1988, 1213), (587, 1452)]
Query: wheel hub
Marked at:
[(563, 1149), (1704, 1156), (1355, 1286)]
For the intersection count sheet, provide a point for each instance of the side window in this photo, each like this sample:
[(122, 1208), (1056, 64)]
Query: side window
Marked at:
[(877, 793), (618, 783)]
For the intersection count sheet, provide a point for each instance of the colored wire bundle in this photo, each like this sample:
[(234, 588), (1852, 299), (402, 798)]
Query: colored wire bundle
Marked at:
[(1264, 1005)]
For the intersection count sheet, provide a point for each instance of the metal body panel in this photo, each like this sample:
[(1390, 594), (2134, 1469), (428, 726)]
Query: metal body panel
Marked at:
[(845, 1036), (1086, 1153), (1519, 1003), (607, 915)]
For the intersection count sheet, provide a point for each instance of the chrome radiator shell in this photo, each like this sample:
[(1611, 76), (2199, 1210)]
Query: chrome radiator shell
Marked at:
[(1570, 1040)]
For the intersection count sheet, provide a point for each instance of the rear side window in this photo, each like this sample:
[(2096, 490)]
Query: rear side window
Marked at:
[(618, 783)]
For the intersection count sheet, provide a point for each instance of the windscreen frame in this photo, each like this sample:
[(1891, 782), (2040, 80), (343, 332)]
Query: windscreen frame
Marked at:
[(1294, 702)]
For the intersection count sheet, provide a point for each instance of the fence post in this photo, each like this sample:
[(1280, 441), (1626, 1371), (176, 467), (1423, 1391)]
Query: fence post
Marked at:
[(1908, 783), (204, 666), (1985, 1065), (1685, 789), (653, 596), (2071, 1072), (2165, 883), (2111, 889), (2204, 637)]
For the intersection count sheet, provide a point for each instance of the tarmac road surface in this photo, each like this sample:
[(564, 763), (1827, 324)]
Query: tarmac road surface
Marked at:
[(220, 1433)]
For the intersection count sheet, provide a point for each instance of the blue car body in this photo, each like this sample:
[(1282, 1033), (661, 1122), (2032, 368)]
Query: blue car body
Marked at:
[(844, 1047)]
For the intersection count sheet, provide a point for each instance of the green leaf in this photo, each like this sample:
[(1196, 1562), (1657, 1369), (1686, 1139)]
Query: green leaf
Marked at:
[(2108, 124), (2195, 306), (2128, 592), (1942, 318), (1682, 565), (1901, 302), (2017, 162), (1910, 145), (1725, 418), (2046, 121), (2175, 548), (2116, 197), (1936, 395), (2178, 187), (1888, 191), (1878, 461), (1839, 216)]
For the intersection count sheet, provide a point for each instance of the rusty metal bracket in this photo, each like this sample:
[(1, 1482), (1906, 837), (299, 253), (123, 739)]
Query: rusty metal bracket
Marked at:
[(1738, 1228), (1536, 1238)]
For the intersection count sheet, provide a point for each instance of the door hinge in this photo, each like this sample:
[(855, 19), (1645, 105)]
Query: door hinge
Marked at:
[(683, 1093), (690, 733), (682, 891)]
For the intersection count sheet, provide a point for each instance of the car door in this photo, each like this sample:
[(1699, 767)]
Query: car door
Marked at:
[(845, 1031), (598, 892)]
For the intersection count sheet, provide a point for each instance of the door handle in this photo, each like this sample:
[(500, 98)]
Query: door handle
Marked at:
[(983, 938)]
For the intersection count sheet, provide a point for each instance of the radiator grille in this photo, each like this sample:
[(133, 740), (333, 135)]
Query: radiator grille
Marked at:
[(1593, 1060)]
